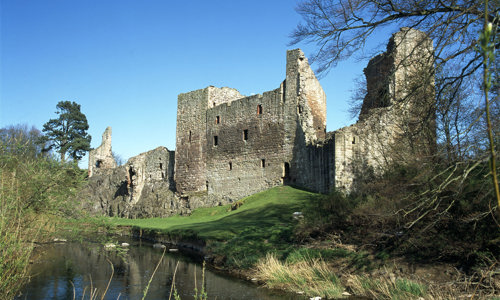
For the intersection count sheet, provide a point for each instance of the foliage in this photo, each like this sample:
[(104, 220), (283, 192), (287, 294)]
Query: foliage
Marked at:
[(427, 213), (322, 213), (32, 186), (21, 140), (68, 133)]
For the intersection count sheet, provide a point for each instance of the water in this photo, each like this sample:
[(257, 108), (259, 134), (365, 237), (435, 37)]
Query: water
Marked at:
[(87, 266)]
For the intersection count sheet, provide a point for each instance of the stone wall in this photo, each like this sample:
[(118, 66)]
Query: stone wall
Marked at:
[(245, 145), (143, 187), (250, 143), (191, 135), (308, 111), (102, 158), (397, 119)]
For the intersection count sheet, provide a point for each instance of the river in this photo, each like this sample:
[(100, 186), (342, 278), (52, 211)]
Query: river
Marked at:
[(65, 270)]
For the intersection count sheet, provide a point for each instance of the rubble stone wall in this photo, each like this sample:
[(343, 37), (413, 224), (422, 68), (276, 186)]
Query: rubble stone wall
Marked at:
[(102, 158)]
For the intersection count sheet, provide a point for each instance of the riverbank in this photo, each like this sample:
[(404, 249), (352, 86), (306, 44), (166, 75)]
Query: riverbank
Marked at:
[(260, 238)]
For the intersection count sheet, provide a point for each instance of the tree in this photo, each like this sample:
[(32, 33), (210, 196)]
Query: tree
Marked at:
[(68, 133), (340, 28), (21, 140), (118, 159)]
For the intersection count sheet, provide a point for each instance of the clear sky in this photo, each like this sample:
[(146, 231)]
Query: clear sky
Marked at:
[(125, 61)]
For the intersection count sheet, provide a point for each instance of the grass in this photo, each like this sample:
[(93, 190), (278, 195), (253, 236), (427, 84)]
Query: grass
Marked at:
[(397, 289), (312, 277), (358, 260), (265, 209), (238, 238)]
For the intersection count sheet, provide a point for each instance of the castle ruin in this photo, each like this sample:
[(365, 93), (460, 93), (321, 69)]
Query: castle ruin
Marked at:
[(229, 146)]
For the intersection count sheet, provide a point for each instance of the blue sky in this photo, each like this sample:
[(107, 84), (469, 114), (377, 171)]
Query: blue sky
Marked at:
[(125, 62)]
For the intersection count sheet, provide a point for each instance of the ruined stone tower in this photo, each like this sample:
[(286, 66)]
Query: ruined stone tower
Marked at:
[(232, 146), (397, 119), (102, 157)]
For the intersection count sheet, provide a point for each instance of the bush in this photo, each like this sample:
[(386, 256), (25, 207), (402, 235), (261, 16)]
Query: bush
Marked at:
[(324, 213), (32, 186)]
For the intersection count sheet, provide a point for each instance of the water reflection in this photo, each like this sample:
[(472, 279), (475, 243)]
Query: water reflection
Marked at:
[(88, 267)]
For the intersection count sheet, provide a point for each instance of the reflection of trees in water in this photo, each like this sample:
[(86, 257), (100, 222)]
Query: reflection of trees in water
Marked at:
[(71, 262)]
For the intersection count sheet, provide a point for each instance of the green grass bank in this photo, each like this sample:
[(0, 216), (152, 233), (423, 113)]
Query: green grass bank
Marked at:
[(237, 235), (258, 237)]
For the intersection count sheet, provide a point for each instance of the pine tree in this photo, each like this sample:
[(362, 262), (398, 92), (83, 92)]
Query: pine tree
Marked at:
[(68, 133)]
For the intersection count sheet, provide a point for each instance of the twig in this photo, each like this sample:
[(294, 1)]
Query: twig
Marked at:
[(110, 278), (152, 275), (173, 281)]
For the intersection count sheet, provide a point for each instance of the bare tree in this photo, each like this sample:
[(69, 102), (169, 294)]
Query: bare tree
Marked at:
[(118, 159), (340, 28)]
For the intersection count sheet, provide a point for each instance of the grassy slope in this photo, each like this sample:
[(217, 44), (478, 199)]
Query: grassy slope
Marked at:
[(263, 210), (238, 238), (261, 230)]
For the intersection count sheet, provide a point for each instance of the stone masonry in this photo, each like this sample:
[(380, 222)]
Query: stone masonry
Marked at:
[(102, 158), (229, 146)]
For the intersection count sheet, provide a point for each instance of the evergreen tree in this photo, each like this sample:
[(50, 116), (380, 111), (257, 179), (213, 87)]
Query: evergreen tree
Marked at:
[(68, 133)]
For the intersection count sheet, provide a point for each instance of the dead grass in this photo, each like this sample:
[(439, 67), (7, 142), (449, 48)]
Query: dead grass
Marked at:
[(311, 277)]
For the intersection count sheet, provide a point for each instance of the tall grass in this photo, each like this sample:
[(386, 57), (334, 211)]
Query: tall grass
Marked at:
[(398, 289), (312, 277)]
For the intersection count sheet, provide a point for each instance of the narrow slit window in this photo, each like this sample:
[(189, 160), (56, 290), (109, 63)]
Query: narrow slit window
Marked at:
[(353, 140), (190, 136), (216, 140), (217, 120), (161, 166), (230, 166), (259, 109), (262, 163), (245, 135)]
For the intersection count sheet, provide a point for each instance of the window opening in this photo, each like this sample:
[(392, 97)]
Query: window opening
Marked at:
[(130, 176), (299, 109), (217, 120), (216, 140), (286, 170), (263, 163), (245, 135), (259, 109), (190, 136), (98, 163), (353, 140), (230, 166), (161, 166)]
